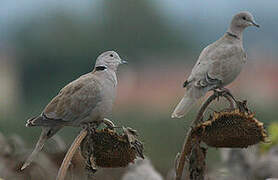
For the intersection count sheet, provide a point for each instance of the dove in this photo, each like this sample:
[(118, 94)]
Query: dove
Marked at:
[(87, 99), (218, 64)]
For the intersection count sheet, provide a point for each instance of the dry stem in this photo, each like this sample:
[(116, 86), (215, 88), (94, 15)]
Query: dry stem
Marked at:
[(197, 163), (66, 162), (189, 140)]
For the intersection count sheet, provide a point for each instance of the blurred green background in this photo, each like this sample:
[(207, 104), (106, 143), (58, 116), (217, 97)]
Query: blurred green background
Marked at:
[(46, 44)]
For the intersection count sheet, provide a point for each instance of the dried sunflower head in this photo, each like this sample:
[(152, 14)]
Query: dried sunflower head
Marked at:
[(107, 148), (231, 129)]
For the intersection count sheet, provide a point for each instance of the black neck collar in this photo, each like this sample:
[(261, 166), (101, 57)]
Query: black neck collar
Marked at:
[(232, 35), (100, 68)]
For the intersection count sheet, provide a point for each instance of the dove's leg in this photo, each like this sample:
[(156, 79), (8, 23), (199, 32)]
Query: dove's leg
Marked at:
[(227, 92), (218, 93)]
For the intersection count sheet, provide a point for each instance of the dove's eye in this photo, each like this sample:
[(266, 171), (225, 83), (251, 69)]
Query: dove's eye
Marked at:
[(244, 18), (111, 55)]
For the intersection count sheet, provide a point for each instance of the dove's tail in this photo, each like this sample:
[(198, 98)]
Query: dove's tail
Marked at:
[(190, 97), (47, 132), (184, 106)]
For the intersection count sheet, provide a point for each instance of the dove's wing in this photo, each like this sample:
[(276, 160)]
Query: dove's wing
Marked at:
[(217, 66), (226, 62), (76, 100), (216, 63)]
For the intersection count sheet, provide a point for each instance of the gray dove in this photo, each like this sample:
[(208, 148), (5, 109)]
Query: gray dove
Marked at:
[(218, 64), (87, 99)]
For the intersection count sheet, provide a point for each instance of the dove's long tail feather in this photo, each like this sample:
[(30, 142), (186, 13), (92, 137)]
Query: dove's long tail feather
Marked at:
[(47, 132), (184, 106), (190, 97)]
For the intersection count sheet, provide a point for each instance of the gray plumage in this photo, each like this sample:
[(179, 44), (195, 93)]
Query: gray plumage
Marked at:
[(87, 99), (142, 169), (218, 64)]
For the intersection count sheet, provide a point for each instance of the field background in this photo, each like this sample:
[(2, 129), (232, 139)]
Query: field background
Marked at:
[(46, 44)]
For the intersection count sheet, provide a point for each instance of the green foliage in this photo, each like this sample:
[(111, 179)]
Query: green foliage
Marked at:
[(273, 137)]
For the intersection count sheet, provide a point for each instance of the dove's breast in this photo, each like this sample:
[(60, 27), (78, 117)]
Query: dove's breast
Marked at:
[(103, 108), (232, 66), (227, 62), (108, 97), (231, 70)]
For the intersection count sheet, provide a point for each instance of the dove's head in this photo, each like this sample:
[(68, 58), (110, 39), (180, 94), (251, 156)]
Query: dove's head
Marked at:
[(109, 60), (242, 20)]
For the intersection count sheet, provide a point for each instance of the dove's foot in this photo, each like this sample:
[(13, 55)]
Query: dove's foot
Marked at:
[(218, 93), (228, 92), (223, 91)]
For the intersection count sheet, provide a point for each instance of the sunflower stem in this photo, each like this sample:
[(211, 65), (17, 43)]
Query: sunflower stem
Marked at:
[(66, 162), (191, 140)]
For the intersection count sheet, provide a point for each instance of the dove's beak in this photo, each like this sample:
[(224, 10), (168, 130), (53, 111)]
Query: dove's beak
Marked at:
[(123, 62), (255, 24)]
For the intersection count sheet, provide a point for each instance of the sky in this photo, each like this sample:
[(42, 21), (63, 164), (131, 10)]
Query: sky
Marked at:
[(201, 9), (209, 17)]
